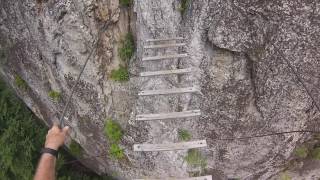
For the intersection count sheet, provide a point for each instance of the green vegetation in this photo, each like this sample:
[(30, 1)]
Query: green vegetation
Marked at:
[(54, 95), (285, 176), (20, 83), (21, 138), (195, 158), (116, 152), (315, 153), (127, 48), (184, 5), (126, 3), (301, 152), (114, 133), (184, 135), (120, 74), (75, 149)]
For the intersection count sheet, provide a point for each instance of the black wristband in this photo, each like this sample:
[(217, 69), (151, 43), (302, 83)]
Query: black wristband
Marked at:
[(50, 151)]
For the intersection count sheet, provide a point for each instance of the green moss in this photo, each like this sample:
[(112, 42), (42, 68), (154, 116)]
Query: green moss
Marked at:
[(113, 131), (184, 5), (195, 158), (301, 152), (127, 48), (116, 152), (315, 153), (20, 83), (54, 95), (120, 74), (184, 135), (75, 149), (126, 3)]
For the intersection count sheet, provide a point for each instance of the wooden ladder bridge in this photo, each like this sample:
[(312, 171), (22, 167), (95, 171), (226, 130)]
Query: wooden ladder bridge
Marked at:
[(154, 44)]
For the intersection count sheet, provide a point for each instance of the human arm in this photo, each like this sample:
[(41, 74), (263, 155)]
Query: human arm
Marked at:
[(54, 139)]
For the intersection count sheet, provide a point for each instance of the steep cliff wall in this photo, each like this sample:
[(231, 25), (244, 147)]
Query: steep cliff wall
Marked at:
[(242, 48)]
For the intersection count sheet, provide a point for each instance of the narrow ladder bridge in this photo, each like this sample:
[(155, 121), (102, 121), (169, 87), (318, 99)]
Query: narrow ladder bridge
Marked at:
[(155, 44)]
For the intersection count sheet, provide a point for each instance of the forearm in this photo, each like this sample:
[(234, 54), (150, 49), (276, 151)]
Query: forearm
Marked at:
[(46, 168)]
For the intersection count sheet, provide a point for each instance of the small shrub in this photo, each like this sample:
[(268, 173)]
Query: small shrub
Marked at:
[(113, 131), (127, 48), (54, 95), (75, 149), (194, 158), (184, 5), (20, 83), (120, 74), (301, 152), (126, 3), (184, 135), (116, 152), (315, 153)]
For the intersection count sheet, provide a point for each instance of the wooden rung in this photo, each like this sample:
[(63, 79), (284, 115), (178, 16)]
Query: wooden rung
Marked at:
[(172, 115), (187, 178), (165, 57), (169, 91), (167, 72), (170, 146), (168, 39), (164, 46)]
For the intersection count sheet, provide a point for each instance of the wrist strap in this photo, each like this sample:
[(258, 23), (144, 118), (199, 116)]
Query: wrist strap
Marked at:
[(50, 151)]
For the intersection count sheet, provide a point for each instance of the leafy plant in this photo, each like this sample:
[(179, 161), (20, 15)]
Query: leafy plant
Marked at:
[(116, 152), (54, 95), (113, 131), (120, 74), (20, 83), (184, 135), (127, 48), (125, 2), (75, 149), (301, 152), (195, 158), (184, 5)]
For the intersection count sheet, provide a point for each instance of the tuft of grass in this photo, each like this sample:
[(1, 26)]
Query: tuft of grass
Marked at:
[(125, 3), (113, 131), (184, 5), (120, 74), (20, 83), (195, 158), (301, 152), (116, 152), (75, 149), (184, 135), (127, 48), (315, 153), (54, 95)]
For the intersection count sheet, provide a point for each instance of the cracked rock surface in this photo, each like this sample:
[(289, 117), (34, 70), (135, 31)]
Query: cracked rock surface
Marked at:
[(252, 56)]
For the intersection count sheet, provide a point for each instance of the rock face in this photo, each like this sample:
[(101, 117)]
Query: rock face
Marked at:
[(253, 55)]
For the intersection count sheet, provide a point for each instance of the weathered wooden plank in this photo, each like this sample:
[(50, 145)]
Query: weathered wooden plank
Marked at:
[(172, 115), (164, 46), (167, 72), (169, 91), (186, 178), (166, 39), (153, 58), (170, 146)]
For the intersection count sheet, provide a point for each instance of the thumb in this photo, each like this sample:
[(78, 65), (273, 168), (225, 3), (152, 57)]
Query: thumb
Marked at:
[(66, 130)]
